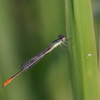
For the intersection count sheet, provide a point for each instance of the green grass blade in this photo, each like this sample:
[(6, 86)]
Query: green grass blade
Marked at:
[(84, 67)]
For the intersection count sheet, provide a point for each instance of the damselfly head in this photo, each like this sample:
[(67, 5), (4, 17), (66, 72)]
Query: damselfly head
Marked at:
[(63, 38)]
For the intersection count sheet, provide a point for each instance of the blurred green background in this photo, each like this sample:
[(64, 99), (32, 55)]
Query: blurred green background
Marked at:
[(29, 26)]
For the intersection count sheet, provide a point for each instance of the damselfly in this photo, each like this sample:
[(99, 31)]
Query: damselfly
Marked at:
[(34, 60)]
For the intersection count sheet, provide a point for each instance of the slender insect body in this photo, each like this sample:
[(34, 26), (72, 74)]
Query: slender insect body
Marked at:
[(34, 60)]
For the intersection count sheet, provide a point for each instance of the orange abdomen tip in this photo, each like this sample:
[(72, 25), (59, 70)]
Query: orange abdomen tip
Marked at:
[(7, 82)]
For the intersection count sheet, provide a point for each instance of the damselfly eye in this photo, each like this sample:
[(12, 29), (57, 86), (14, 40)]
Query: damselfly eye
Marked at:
[(63, 38)]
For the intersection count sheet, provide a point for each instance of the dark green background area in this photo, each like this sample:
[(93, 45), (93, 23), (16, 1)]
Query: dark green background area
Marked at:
[(29, 26)]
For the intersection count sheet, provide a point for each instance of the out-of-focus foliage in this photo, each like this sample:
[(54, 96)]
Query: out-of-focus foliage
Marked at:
[(96, 14), (26, 28)]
